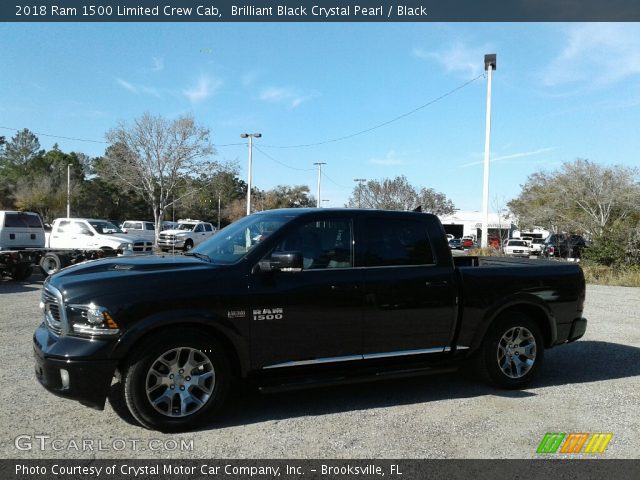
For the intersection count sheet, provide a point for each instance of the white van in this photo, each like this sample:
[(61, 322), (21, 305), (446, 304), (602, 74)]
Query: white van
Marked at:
[(20, 230), (140, 229)]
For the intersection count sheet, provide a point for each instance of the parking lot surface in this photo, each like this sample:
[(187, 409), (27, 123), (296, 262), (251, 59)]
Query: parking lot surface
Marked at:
[(592, 385)]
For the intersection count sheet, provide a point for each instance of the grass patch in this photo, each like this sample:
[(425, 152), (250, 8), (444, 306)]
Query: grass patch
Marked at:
[(613, 276)]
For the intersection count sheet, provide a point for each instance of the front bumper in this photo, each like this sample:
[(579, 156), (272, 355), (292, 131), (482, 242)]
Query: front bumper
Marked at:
[(82, 379), (178, 243)]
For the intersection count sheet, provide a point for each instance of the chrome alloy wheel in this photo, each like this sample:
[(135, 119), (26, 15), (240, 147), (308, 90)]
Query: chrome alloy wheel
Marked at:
[(180, 382), (516, 352)]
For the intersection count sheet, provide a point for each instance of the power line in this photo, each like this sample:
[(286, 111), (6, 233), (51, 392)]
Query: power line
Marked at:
[(324, 142), (335, 183), (281, 163), (100, 141), (58, 136), (395, 119)]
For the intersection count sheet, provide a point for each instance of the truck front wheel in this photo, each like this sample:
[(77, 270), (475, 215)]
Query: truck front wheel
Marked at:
[(188, 245), (512, 351), (177, 381)]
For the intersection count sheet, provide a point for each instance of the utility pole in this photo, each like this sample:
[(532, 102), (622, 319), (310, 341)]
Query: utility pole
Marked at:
[(360, 183), (250, 136), (489, 66), (319, 200), (218, 210), (68, 190)]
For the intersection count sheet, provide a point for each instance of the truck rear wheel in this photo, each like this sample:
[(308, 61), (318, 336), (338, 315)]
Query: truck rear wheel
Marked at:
[(50, 264), (21, 272), (512, 351), (176, 381)]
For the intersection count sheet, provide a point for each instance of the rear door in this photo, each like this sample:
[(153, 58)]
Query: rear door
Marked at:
[(409, 296)]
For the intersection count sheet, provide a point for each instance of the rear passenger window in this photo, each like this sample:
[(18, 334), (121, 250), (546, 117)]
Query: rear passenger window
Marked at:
[(396, 242)]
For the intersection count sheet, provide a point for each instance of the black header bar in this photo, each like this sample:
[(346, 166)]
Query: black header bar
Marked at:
[(320, 11)]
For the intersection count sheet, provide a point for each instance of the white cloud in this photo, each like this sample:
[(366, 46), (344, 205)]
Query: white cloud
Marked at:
[(284, 95), (205, 87), (137, 89), (597, 53), (512, 156), (158, 64), (392, 158), (126, 85), (459, 58)]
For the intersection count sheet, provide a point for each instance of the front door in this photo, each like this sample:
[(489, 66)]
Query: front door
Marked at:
[(310, 316)]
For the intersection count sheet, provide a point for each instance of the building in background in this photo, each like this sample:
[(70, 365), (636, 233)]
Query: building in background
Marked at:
[(469, 224)]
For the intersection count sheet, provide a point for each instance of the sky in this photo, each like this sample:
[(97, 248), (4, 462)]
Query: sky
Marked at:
[(561, 91)]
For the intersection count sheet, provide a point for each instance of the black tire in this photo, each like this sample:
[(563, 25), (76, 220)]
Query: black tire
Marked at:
[(50, 264), (21, 272), (188, 245), (511, 365), (146, 379)]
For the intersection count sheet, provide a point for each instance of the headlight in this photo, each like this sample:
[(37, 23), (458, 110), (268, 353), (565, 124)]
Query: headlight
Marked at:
[(92, 320)]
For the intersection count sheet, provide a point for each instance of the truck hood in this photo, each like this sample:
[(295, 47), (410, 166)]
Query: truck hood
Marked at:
[(123, 238), (111, 275), (133, 264)]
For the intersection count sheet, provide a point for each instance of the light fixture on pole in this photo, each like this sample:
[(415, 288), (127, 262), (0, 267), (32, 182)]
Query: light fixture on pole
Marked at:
[(319, 200), (360, 183), (489, 66), (68, 190), (250, 136)]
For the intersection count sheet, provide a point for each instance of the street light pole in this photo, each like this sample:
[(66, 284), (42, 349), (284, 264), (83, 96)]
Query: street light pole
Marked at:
[(318, 200), (360, 182), (250, 136), (68, 190), (489, 66), (218, 211)]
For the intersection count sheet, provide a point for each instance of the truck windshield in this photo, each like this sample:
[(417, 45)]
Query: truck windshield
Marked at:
[(232, 243), (105, 227), (186, 226)]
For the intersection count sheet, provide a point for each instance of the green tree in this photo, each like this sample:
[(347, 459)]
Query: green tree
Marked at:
[(581, 197)]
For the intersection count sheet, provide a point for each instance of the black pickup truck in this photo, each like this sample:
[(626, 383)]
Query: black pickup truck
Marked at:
[(292, 298)]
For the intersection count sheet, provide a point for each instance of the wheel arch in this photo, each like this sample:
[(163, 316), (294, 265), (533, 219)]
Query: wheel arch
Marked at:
[(534, 309), (233, 347)]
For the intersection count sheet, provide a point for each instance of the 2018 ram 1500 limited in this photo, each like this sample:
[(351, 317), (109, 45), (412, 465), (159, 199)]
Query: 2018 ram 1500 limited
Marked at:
[(297, 297)]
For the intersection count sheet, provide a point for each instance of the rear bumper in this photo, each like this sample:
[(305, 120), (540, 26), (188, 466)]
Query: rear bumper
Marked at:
[(578, 328)]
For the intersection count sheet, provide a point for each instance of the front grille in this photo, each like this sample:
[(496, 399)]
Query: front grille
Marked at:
[(52, 310), (142, 246)]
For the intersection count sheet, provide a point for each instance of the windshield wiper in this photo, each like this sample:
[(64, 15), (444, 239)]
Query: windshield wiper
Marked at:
[(199, 255)]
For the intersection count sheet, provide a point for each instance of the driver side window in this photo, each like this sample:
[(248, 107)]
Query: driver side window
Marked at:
[(324, 244)]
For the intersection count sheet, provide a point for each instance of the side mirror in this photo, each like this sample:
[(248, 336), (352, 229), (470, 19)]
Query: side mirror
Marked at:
[(282, 262)]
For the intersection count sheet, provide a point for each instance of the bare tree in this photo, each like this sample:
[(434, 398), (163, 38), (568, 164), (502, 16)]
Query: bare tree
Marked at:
[(581, 197), (154, 155), (399, 194)]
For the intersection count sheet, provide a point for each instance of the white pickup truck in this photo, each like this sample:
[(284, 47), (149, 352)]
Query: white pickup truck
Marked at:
[(24, 243), (89, 233), (187, 235)]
